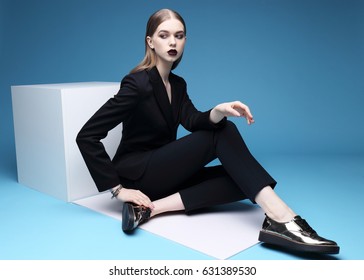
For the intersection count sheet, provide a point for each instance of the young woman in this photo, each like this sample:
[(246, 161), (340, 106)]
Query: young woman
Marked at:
[(152, 172)]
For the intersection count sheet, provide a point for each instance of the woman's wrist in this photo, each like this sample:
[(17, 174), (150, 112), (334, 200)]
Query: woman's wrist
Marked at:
[(115, 191), (216, 116)]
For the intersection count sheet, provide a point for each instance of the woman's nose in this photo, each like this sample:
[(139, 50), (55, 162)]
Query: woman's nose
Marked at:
[(172, 41)]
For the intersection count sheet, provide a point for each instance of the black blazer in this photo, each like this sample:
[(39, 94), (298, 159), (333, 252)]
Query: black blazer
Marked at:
[(149, 122)]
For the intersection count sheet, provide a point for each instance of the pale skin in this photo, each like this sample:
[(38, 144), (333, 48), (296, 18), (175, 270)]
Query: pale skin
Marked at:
[(170, 36)]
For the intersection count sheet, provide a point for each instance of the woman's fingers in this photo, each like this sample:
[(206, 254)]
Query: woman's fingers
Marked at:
[(141, 199), (144, 200), (135, 196), (231, 111), (243, 111)]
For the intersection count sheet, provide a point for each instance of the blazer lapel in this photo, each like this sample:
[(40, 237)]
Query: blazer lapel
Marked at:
[(161, 96)]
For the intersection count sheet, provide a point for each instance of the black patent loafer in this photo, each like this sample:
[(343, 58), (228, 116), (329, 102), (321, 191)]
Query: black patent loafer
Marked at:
[(296, 235), (134, 215)]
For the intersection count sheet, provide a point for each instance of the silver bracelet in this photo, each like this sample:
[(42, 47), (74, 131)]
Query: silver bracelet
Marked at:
[(116, 192)]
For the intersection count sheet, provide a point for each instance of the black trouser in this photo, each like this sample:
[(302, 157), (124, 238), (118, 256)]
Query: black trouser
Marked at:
[(180, 167)]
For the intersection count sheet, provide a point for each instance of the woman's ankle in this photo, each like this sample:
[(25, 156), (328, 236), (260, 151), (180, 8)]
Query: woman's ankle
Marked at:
[(282, 217)]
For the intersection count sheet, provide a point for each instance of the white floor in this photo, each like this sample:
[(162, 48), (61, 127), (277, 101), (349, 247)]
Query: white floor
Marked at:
[(220, 232)]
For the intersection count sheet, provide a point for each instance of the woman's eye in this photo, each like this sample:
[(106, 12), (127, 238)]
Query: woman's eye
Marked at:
[(180, 36), (163, 36)]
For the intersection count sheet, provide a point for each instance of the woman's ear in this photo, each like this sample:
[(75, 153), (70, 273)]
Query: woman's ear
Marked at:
[(150, 42)]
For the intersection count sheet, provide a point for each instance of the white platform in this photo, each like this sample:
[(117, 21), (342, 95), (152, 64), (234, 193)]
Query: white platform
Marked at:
[(47, 119), (220, 232)]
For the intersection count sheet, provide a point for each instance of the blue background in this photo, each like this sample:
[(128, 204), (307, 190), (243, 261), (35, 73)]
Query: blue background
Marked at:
[(298, 64)]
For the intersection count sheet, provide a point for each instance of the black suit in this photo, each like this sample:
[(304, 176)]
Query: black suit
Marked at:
[(149, 157)]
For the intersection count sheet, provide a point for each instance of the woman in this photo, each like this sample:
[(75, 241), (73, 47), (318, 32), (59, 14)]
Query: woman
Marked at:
[(152, 172)]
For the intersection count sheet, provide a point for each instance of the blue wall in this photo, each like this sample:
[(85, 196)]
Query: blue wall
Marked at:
[(299, 64)]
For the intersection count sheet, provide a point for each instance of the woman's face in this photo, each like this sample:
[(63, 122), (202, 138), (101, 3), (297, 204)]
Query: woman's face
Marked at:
[(168, 41)]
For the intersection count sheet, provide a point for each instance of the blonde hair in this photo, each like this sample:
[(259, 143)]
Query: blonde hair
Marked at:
[(150, 58)]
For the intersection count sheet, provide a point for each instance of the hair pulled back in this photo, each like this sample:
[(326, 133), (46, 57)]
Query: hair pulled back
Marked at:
[(150, 58)]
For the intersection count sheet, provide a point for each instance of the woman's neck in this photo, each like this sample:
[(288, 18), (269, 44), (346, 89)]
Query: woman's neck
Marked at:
[(164, 71)]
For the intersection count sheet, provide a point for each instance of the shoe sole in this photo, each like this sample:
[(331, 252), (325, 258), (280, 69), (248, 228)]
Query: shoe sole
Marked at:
[(127, 217), (278, 240)]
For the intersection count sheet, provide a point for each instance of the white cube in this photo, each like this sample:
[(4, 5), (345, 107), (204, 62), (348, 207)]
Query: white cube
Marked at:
[(47, 119)]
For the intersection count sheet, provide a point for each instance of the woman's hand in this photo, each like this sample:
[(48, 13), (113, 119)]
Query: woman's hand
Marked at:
[(231, 109), (135, 196)]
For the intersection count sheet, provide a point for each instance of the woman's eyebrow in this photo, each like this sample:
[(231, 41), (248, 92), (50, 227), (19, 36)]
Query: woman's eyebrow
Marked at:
[(166, 31)]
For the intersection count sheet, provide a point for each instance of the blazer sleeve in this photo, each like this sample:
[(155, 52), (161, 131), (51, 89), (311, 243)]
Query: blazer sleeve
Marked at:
[(193, 119), (112, 113)]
